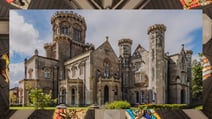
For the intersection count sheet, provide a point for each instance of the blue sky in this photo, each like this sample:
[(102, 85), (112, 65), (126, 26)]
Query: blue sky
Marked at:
[(30, 29)]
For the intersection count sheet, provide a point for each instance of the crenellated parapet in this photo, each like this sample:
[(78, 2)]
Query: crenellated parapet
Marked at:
[(70, 24), (67, 14), (125, 40), (154, 27)]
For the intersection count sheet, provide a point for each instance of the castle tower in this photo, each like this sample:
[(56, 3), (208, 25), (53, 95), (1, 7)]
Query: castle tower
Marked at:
[(124, 59), (156, 63), (189, 73), (69, 31)]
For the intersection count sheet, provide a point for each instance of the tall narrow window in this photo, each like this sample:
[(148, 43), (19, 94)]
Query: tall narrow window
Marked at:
[(153, 73), (65, 30), (153, 54), (154, 97), (46, 72), (63, 96), (77, 34), (106, 65)]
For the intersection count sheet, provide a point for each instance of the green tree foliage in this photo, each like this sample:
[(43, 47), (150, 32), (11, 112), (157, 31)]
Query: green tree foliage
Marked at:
[(40, 99), (13, 98), (197, 87)]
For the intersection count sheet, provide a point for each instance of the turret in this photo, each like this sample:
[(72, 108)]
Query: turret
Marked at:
[(156, 62), (69, 24), (124, 59)]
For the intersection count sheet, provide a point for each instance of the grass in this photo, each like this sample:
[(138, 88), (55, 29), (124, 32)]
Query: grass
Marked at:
[(46, 108)]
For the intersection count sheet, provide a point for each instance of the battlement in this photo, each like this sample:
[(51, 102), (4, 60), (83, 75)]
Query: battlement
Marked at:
[(125, 40), (67, 14), (160, 27)]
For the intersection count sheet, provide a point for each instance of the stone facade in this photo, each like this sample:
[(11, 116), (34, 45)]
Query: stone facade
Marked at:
[(78, 74)]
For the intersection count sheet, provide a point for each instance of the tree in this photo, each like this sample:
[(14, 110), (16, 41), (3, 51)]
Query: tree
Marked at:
[(197, 87), (13, 98), (40, 99)]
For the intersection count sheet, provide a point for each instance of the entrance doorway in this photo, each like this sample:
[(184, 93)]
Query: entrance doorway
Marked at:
[(106, 94), (72, 96), (182, 96)]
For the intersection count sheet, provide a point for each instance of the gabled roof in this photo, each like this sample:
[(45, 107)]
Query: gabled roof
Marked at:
[(137, 54), (106, 43)]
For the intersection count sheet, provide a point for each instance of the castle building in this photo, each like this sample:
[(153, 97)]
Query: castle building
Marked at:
[(78, 74)]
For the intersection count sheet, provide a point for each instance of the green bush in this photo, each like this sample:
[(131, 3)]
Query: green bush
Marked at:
[(163, 106), (118, 105)]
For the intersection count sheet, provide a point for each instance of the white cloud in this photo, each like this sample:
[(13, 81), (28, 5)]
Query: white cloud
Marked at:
[(23, 40), (23, 36), (134, 24), (16, 73)]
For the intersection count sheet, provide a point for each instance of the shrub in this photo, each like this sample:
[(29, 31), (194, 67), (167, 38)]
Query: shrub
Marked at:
[(118, 105), (163, 106)]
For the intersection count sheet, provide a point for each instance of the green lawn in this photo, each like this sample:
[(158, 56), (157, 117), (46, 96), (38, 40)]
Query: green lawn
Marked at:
[(46, 108)]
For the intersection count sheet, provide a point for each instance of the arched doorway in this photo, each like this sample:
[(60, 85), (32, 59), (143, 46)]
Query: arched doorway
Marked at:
[(72, 96), (182, 96), (106, 94)]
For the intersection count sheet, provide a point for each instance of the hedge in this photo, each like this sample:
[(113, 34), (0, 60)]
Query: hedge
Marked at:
[(118, 105), (163, 106)]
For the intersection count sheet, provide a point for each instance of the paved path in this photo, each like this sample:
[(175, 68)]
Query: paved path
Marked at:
[(22, 114), (195, 114)]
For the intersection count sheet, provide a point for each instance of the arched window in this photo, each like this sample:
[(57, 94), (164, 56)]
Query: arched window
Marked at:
[(65, 28), (77, 34), (46, 72), (30, 73), (106, 65), (62, 95), (74, 71)]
